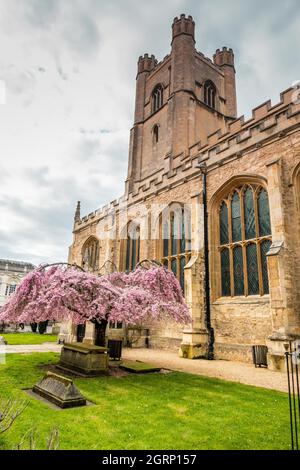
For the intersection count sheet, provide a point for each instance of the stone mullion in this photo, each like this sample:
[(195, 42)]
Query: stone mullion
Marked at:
[(138, 248), (257, 242), (137, 238), (230, 246), (259, 265), (97, 263), (93, 257), (178, 250), (130, 252), (243, 230)]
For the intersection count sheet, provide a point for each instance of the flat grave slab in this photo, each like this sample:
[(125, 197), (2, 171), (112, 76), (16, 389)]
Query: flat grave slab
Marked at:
[(137, 367)]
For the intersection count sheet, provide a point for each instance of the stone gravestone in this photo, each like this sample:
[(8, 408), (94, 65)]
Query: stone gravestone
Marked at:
[(83, 359), (60, 391), (3, 341)]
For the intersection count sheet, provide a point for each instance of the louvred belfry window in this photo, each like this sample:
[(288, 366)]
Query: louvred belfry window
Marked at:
[(157, 98), (210, 93), (244, 241)]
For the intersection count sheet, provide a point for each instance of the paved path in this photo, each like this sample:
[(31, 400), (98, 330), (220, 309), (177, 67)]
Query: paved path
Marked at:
[(31, 348), (226, 370)]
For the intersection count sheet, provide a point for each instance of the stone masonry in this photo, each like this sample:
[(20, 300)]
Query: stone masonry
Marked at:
[(262, 150)]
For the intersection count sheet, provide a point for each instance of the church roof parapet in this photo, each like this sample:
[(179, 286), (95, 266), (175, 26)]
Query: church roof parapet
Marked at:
[(240, 135)]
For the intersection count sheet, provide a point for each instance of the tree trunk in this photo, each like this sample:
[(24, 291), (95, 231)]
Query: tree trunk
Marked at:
[(33, 327), (42, 327)]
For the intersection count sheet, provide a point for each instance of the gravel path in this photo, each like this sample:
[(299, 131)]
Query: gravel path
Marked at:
[(226, 370)]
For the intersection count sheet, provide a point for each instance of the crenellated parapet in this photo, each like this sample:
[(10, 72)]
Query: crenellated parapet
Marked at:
[(183, 25), (224, 56), (146, 63)]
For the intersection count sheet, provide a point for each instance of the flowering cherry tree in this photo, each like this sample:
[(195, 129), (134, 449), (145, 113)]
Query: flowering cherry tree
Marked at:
[(59, 294)]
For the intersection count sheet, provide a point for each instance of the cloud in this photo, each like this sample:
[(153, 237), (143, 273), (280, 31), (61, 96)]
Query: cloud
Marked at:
[(70, 70), (41, 13)]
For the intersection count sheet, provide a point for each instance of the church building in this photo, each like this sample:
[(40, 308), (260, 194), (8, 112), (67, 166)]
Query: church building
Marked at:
[(186, 135)]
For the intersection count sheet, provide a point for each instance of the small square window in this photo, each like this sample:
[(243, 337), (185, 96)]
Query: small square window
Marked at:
[(116, 325)]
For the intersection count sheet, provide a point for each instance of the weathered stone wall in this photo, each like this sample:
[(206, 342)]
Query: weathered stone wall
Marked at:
[(165, 335), (239, 324)]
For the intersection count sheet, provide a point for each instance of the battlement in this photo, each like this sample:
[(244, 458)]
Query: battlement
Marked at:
[(224, 57), (146, 63), (183, 25), (202, 56), (162, 62)]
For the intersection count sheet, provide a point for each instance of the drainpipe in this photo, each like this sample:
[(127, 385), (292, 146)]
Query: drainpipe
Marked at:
[(210, 330)]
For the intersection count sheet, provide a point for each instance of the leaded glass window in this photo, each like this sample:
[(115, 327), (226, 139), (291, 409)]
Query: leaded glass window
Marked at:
[(245, 239), (224, 224), (176, 249), (236, 218), (264, 213), (264, 247), (132, 247), (90, 255), (249, 214), (252, 269), (225, 267), (238, 270)]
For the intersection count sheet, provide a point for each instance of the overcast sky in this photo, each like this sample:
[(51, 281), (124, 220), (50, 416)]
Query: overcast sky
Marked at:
[(69, 68)]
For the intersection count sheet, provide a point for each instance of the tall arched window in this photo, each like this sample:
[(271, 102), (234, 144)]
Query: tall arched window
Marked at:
[(176, 241), (155, 134), (244, 241), (157, 98), (132, 246), (210, 93), (90, 255)]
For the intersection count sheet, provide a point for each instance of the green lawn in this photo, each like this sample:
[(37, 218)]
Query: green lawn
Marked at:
[(28, 338), (152, 411)]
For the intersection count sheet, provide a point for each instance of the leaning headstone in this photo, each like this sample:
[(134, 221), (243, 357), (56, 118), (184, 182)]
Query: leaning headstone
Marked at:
[(60, 391), (3, 341)]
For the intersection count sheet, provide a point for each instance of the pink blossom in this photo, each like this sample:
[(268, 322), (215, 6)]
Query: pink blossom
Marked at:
[(59, 294)]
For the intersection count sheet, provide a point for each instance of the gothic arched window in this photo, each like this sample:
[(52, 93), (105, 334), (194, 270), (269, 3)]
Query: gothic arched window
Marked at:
[(175, 235), (244, 241), (132, 246), (210, 93), (155, 134), (90, 255), (157, 98)]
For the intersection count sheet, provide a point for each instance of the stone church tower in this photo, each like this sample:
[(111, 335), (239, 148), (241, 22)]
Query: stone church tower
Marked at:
[(186, 115), (179, 102)]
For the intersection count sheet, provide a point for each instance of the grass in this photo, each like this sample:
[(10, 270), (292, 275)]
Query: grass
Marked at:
[(152, 411), (14, 339)]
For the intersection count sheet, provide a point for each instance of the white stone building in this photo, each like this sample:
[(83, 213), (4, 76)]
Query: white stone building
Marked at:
[(11, 275)]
